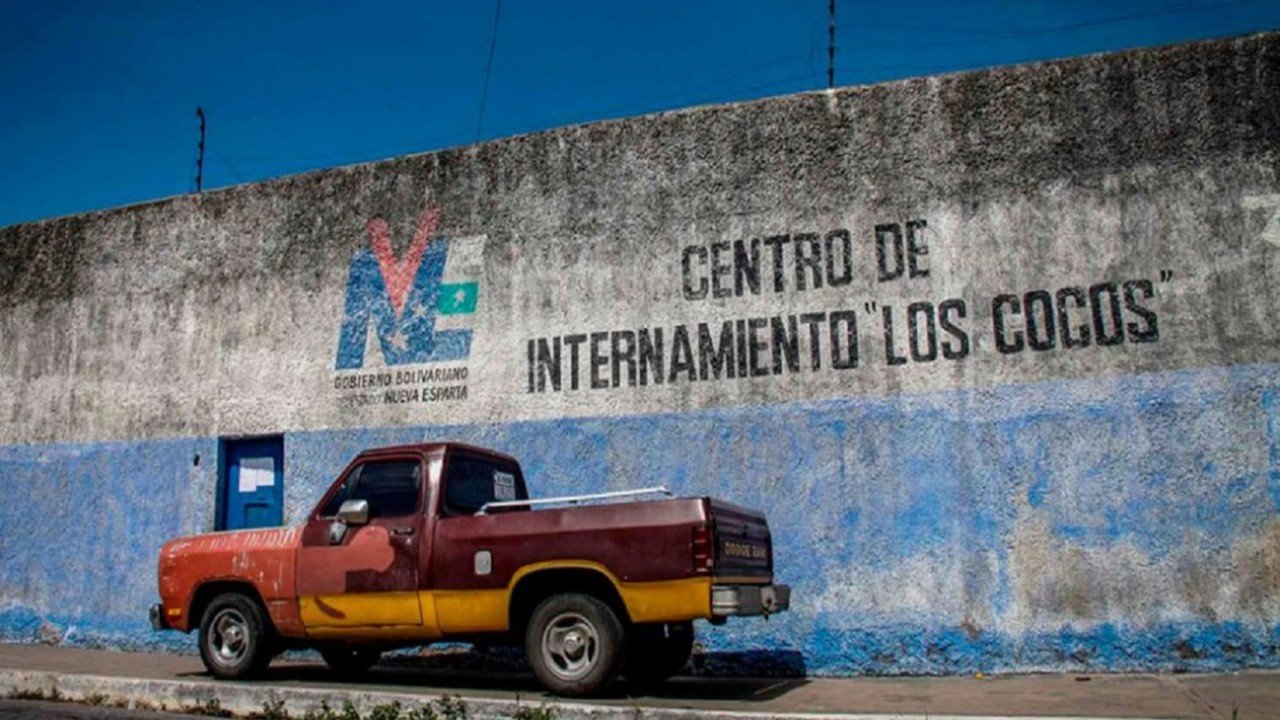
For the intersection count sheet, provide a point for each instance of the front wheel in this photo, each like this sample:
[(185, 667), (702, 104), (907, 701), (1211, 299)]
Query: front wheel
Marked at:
[(656, 652), (574, 644), (235, 637)]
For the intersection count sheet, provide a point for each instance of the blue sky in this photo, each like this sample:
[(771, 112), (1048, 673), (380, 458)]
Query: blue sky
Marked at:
[(97, 99)]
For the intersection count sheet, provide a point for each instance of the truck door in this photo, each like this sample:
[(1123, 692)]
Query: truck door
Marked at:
[(470, 575), (362, 580)]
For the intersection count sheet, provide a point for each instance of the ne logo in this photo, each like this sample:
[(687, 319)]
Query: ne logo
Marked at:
[(402, 297)]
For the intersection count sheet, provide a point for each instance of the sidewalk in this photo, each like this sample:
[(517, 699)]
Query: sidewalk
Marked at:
[(176, 681)]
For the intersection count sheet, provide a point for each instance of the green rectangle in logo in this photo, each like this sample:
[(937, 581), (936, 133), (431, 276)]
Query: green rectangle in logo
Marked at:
[(458, 298)]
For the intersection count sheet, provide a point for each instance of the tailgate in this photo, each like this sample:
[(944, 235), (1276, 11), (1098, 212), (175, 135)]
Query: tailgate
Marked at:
[(743, 546)]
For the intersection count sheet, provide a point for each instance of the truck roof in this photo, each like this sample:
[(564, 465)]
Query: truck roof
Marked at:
[(446, 445)]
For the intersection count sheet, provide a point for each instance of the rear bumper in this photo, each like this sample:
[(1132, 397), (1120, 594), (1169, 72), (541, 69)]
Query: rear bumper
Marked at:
[(158, 620), (765, 600)]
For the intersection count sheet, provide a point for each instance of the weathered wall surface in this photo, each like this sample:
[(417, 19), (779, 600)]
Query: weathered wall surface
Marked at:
[(997, 352)]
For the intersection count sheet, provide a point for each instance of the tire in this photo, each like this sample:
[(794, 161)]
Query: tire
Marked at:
[(350, 661), (656, 652), (575, 644), (235, 637)]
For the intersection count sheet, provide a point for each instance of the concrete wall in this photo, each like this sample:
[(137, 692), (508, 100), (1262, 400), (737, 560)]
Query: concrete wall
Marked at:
[(997, 353)]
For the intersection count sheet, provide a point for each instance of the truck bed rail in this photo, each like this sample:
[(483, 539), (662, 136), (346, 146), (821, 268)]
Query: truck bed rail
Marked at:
[(576, 499)]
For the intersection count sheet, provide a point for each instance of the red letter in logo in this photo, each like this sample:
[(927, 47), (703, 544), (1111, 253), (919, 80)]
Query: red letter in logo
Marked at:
[(398, 274)]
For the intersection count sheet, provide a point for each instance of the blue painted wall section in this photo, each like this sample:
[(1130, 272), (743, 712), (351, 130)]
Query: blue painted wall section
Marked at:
[(83, 527), (1083, 524)]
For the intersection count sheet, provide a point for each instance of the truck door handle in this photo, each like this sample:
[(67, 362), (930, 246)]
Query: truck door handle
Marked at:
[(401, 531)]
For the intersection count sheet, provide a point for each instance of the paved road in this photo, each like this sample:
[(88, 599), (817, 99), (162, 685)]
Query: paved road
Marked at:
[(1255, 694), (31, 710)]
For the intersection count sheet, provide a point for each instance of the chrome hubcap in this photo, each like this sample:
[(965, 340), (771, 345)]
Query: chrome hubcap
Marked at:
[(570, 646), (229, 637)]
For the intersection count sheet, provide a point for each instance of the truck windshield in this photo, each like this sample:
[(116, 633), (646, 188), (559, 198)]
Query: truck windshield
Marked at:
[(472, 482)]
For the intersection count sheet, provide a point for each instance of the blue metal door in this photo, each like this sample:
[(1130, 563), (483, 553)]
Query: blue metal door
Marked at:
[(253, 484)]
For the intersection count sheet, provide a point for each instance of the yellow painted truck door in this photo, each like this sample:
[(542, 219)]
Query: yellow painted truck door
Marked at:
[(359, 579)]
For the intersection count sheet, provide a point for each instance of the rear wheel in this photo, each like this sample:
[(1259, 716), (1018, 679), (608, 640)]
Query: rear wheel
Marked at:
[(235, 640), (656, 652), (350, 661), (574, 644)]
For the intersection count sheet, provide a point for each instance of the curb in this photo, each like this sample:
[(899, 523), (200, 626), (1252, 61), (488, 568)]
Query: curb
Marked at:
[(242, 699)]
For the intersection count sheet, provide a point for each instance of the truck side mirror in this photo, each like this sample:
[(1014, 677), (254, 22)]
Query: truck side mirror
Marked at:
[(354, 512)]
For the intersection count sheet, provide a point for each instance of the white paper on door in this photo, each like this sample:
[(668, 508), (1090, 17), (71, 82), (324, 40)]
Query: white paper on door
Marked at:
[(256, 472)]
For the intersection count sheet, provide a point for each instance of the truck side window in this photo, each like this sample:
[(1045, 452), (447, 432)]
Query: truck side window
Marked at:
[(473, 482), (392, 488), (348, 484)]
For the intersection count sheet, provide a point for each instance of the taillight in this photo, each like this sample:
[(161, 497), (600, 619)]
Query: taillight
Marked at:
[(702, 557)]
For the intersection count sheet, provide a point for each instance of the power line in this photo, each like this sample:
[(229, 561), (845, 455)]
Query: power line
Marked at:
[(815, 41), (687, 91), (234, 173), (658, 103), (654, 104), (488, 70), (650, 104), (1049, 29), (742, 94), (698, 93), (939, 66)]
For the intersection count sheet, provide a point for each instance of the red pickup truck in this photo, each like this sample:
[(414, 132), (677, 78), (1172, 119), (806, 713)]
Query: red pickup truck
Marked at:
[(420, 543)]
